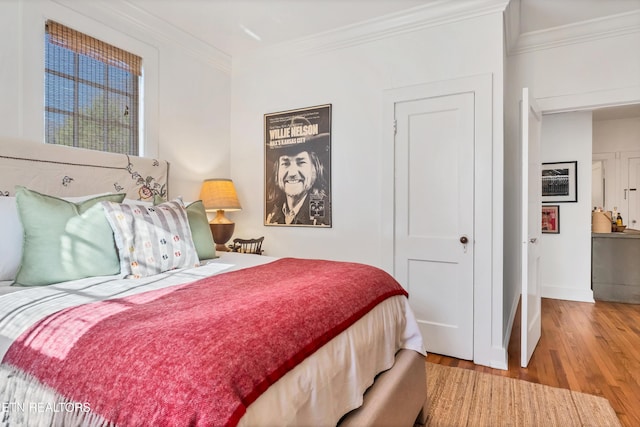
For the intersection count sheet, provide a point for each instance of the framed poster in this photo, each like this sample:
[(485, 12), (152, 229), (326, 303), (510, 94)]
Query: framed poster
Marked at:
[(559, 182), (551, 219), (297, 147)]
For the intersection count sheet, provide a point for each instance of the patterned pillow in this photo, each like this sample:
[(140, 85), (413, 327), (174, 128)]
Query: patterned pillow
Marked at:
[(151, 239), (200, 230)]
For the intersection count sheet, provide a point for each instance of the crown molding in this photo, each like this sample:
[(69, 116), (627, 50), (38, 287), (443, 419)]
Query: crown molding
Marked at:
[(589, 100), (512, 25), (146, 24), (415, 19), (580, 32)]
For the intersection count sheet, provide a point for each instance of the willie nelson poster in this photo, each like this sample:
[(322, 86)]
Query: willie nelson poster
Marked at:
[(298, 167)]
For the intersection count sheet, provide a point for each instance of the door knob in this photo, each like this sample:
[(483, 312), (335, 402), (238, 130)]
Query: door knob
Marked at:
[(533, 239), (464, 240)]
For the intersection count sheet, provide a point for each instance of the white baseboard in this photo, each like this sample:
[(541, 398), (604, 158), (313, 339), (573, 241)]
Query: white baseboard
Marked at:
[(511, 320), (501, 361), (569, 294), (512, 317)]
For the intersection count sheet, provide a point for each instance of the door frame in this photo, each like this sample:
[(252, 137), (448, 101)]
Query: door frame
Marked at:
[(488, 345)]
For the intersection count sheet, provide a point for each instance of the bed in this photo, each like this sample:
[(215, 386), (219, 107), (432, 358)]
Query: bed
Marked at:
[(155, 344)]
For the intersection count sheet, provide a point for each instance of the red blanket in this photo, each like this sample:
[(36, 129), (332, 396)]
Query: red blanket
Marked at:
[(198, 354)]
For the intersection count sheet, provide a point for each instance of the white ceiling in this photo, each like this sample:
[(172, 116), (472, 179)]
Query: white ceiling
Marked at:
[(238, 26)]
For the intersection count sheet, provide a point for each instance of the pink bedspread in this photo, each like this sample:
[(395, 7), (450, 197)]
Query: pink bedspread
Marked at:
[(198, 354)]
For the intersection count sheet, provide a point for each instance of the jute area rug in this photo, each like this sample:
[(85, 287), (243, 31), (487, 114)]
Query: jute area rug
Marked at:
[(460, 397)]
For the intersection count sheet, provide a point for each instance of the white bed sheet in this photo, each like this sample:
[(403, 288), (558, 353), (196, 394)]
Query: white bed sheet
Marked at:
[(6, 288), (318, 391)]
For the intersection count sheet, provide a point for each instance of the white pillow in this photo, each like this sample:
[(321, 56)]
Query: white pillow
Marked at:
[(151, 239), (11, 237)]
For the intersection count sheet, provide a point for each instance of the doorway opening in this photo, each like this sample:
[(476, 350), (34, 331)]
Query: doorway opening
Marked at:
[(616, 154), (615, 187)]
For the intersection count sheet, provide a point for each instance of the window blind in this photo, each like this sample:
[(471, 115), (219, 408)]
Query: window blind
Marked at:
[(91, 92)]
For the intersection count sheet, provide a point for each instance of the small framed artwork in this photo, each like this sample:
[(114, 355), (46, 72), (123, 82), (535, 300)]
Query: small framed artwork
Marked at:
[(559, 182), (551, 219)]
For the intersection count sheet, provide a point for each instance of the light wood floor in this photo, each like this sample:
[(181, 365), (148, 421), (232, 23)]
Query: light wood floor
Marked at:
[(590, 348)]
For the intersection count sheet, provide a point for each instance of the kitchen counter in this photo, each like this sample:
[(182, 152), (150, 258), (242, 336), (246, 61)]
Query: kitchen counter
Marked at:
[(615, 270), (626, 234)]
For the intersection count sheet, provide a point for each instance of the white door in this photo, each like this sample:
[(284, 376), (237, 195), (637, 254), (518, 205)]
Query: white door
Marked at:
[(597, 183), (531, 123), (631, 193), (434, 208)]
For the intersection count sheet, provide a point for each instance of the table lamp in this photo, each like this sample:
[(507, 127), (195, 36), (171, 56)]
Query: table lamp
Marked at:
[(219, 195)]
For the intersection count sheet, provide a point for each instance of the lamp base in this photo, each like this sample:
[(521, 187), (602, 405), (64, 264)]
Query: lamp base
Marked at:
[(221, 235)]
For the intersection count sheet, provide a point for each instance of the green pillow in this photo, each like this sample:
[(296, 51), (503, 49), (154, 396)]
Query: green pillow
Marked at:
[(64, 240), (200, 230)]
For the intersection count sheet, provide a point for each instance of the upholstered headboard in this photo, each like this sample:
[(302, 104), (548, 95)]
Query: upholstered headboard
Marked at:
[(66, 171)]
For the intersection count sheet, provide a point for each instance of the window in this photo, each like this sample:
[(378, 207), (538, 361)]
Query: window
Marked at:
[(91, 92)]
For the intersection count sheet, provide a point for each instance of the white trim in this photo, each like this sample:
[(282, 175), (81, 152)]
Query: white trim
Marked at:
[(579, 32), (31, 98), (511, 320), (488, 338), (434, 14), (512, 25), (21, 72), (589, 100), (150, 25), (566, 293), (623, 199), (611, 177)]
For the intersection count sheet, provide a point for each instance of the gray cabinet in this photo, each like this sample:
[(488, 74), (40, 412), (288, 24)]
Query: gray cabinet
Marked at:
[(615, 267)]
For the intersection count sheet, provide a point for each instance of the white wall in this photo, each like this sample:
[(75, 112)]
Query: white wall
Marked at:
[(565, 265), (353, 76), (571, 73), (610, 136), (612, 139), (9, 68), (353, 80), (186, 97)]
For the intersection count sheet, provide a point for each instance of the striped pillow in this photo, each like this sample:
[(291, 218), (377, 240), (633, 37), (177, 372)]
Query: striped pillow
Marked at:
[(151, 239)]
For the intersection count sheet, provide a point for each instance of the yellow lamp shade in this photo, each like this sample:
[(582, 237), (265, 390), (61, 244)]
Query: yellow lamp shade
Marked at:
[(219, 194)]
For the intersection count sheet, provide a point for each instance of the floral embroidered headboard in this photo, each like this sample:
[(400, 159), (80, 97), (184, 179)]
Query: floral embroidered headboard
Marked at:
[(66, 171)]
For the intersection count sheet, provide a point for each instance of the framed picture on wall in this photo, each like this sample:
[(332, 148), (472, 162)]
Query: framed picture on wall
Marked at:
[(298, 167), (551, 219), (560, 182)]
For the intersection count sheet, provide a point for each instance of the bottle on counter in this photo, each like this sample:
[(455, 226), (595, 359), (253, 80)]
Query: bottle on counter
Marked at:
[(619, 220)]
